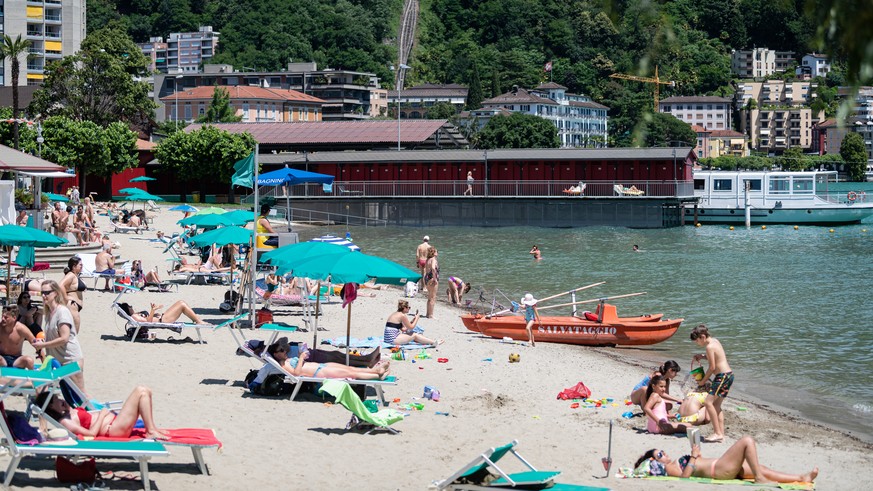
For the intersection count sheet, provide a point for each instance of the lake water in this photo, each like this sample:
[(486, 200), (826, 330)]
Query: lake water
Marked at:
[(792, 307)]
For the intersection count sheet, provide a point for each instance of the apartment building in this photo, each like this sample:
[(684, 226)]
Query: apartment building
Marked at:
[(183, 52), (416, 101), (773, 129), (728, 142), (813, 65), (55, 28), (776, 92), (253, 104), (346, 95), (580, 121), (710, 112), (760, 62)]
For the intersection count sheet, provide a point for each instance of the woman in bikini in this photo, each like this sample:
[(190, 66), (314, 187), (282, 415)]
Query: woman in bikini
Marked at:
[(457, 289), (105, 423), (145, 278), (738, 462), (398, 327), (214, 264), (693, 408), (431, 279), (299, 367), (73, 285), (169, 316), (657, 419)]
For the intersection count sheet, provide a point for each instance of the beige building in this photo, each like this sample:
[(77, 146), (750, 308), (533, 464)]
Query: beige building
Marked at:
[(773, 129), (728, 142), (712, 113), (776, 92), (55, 29), (760, 62), (253, 104)]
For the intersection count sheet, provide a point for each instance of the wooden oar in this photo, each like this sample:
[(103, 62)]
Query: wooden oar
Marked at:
[(573, 290), (590, 301)]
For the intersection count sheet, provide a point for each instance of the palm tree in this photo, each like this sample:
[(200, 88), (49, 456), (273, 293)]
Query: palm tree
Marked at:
[(13, 49)]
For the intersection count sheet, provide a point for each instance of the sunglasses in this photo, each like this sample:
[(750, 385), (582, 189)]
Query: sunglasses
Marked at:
[(47, 292), (660, 454), (281, 350)]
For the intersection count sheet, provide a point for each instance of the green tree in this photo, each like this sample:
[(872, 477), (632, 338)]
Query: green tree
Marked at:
[(13, 49), (662, 130), (103, 83), (88, 148), (220, 110), (793, 159), (206, 154), (474, 95), (27, 133), (854, 153), (518, 130), (441, 110)]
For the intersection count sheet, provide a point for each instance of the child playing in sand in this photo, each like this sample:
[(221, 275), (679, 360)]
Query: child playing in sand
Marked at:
[(721, 384)]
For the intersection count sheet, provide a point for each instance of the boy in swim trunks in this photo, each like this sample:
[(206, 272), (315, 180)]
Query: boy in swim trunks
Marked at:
[(721, 384), (13, 334), (421, 260)]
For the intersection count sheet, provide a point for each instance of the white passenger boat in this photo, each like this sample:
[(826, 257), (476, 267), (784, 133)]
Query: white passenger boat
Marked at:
[(777, 197)]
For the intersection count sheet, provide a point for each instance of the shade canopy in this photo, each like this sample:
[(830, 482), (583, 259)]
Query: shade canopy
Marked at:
[(351, 267), (300, 251), (288, 175), (244, 215), (185, 208), (214, 220), (142, 179), (211, 210), (222, 237), (56, 197), (16, 235), (141, 196), (332, 239), (132, 191)]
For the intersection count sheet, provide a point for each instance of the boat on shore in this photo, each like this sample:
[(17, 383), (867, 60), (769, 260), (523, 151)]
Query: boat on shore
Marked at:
[(470, 320), (607, 330), (777, 197)]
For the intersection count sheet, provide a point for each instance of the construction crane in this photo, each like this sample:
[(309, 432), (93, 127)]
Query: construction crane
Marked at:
[(656, 80)]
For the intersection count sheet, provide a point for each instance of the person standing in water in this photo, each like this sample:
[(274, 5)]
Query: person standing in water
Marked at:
[(535, 252)]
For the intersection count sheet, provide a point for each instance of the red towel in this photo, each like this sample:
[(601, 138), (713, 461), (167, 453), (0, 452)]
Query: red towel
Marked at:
[(182, 436), (349, 293)]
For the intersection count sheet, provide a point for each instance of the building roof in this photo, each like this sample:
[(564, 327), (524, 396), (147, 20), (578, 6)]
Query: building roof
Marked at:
[(726, 134), (590, 104), (828, 123), (694, 98), (432, 90), (145, 145), (519, 96), (699, 129), (205, 92), (331, 132), (12, 160), (550, 85), (535, 154)]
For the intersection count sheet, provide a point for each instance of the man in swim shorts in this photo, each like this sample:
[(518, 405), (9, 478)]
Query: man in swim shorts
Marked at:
[(721, 384), (421, 260), (13, 334)]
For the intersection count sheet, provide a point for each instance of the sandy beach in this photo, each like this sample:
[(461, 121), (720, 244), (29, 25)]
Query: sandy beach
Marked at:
[(489, 402)]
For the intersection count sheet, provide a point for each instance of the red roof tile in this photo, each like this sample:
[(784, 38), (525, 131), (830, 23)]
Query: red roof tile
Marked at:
[(726, 133), (144, 144), (205, 92), (381, 131)]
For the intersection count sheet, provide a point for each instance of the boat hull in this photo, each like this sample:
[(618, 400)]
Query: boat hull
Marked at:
[(810, 216), (470, 320), (572, 330)]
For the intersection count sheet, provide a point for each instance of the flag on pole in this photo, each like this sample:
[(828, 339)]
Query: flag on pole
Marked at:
[(548, 67), (245, 169)]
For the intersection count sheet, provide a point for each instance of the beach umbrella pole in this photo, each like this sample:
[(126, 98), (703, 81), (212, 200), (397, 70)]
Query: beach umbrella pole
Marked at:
[(317, 305), (348, 333), (8, 274)]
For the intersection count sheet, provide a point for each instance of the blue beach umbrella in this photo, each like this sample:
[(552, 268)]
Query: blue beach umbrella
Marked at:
[(185, 208), (291, 176), (132, 191), (142, 179), (214, 220), (56, 197)]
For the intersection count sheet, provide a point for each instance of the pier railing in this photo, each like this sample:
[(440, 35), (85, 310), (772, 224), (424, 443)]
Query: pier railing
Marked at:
[(494, 189)]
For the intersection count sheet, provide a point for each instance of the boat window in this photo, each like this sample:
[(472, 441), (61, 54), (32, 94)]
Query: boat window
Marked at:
[(803, 185), (754, 184), (699, 184), (722, 184), (780, 185)]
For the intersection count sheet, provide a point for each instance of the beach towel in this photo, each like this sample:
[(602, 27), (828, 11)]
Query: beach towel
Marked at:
[(345, 395), (370, 342), (178, 436), (735, 482)]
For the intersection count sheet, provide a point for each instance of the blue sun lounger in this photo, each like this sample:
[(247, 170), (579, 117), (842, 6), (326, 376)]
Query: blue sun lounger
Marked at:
[(480, 473)]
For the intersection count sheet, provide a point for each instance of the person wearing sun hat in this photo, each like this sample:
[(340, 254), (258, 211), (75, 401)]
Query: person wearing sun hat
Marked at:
[(530, 315)]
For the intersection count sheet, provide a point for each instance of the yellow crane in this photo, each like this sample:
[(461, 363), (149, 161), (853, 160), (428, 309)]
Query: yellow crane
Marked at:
[(656, 80)]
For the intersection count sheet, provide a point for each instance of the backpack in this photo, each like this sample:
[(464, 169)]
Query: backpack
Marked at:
[(274, 385)]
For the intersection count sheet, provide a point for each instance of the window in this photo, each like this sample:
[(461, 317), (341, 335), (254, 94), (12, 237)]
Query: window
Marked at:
[(803, 185), (722, 184), (754, 184), (666, 108), (245, 108), (780, 185), (699, 107)]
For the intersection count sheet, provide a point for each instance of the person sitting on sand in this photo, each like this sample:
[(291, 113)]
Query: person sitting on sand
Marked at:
[(399, 329), (300, 368), (738, 462), (13, 334), (117, 424), (669, 370), (169, 316), (457, 289), (28, 313), (657, 418), (693, 408), (142, 278)]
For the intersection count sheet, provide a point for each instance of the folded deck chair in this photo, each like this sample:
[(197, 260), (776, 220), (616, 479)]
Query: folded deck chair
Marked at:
[(140, 451), (484, 473), (152, 206), (137, 325), (361, 415)]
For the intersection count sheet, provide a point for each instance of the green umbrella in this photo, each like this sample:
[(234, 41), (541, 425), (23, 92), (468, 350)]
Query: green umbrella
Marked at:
[(56, 197), (349, 267), (141, 196), (132, 191), (301, 251), (26, 256), (16, 235), (211, 210), (222, 237), (247, 216), (142, 179), (210, 221)]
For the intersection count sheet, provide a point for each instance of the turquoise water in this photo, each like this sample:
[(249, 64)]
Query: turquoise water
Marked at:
[(792, 307)]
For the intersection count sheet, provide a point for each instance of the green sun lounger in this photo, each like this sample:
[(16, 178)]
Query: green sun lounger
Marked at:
[(345, 396), (484, 473)]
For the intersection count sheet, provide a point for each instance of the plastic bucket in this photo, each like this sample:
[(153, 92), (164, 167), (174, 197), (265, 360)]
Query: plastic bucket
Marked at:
[(263, 316), (698, 373)]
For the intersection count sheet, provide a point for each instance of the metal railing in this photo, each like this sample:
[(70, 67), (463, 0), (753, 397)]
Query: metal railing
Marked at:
[(493, 189)]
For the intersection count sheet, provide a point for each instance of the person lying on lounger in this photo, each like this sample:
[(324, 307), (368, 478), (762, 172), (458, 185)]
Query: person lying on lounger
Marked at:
[(169, 316), (218, 262), (301, 368), (118, 424), (738, 462)]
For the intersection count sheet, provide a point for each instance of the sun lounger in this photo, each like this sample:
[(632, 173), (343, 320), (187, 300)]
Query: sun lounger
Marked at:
[(361, 415), (478, 475), (140, 451), (189, 276), (121, 228), (631, 191), (89, 266), (152, 206), (137, 325)]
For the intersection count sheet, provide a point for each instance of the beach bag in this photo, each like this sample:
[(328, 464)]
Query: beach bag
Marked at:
[(72, 473), (578, 391), (273, 241)]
